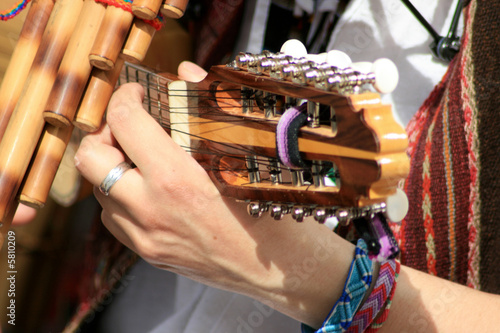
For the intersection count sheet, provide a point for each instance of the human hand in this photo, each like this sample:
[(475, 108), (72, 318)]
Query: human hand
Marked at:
[(169, 212)]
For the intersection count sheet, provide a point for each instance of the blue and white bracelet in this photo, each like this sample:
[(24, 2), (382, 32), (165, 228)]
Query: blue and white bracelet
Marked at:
[(357, 284)]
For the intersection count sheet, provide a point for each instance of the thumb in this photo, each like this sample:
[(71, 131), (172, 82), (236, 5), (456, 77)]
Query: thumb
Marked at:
[(191, 72)]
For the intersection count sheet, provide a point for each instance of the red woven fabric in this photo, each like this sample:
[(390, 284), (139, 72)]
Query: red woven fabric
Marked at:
[(450, 230)]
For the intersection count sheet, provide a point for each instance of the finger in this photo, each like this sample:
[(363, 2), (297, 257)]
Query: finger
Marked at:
[(119, 226), (103, 135), (189, 71), (95, 160), (24, 215), (138, 134)]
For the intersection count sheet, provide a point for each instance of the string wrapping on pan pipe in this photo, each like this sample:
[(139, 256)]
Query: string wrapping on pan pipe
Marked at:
[(16, 9)]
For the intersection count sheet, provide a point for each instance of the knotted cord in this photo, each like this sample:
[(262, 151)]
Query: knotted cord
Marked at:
[(16, 9), (123, 4)]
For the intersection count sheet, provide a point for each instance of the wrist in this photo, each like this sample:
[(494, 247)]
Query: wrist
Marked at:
[(354, 291), (304, 280)]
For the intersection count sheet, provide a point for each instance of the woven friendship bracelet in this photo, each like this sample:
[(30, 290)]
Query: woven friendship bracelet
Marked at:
[(381, 318), (16, 9), (375, 303), (357, 283)]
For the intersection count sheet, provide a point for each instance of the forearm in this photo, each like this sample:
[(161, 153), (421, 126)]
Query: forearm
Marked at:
[(315, 281), (315, 277), (302, 266), (424, 303)]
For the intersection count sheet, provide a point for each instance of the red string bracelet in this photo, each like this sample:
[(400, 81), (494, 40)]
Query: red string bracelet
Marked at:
[(16, 9), (380, 320)]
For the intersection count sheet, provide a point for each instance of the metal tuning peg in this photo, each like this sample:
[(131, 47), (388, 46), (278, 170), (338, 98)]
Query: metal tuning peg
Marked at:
[(275, 173), (273, 63), (343, 215), (253, 169), (321, 214), (256, 209), (278, 211), (300, 212), (382, 74), (313, 110), (247, 100), (250, 62)]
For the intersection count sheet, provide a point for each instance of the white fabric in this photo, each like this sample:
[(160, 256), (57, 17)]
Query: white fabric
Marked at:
[(253, 29), (157, 301), (372, 29)]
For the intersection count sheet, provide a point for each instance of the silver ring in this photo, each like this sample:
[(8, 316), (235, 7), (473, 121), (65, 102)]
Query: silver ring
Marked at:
[(113, 176)]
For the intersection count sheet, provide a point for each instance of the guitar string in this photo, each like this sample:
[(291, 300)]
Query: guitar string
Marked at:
[(160, 110), (262, 160)]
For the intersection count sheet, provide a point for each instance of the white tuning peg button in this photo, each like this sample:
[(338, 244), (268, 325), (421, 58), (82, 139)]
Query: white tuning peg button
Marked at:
[(397, 206), (294, 48), (317, 58), (386, 75), (364, 67), (338, 59)]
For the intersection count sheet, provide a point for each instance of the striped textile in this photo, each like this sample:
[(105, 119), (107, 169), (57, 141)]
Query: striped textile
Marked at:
[(454, 193)]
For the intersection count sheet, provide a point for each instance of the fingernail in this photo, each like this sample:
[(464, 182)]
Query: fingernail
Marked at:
[(196, 71)]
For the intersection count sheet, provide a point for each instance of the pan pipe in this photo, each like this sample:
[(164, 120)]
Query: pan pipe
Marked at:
[(62, 73)]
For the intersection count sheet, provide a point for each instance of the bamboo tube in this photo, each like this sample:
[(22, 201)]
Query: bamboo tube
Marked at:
[(75, 68), (146, 9), (22, 58), (112, 34), (174, 8), (26, 123), (138, 41), (96, 98), (43, 168)]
